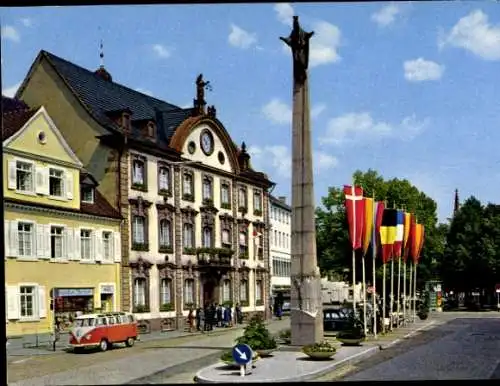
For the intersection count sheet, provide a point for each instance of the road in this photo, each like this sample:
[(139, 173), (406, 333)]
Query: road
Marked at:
[(461, 348), (159, 361)]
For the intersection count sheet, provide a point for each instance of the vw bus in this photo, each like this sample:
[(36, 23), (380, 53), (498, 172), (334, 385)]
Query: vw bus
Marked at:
[(103, 330)]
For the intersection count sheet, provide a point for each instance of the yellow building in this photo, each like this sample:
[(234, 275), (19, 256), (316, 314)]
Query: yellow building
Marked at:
[(62, 238)]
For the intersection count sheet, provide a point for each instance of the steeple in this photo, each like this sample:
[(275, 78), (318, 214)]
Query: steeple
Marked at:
[(456, 207), (101, 71)]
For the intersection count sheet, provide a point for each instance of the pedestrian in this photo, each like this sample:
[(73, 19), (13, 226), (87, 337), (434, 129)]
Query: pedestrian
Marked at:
[(207, 318), (191, 319), (198, 318), (219, 315), (230, 316), (213, 316), (239, 316), (279, 312), (202, 320), (225, 316)]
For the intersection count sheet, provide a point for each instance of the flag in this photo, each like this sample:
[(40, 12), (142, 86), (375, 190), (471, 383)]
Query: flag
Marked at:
[(415, 242), (406, 235), (388, 233), (355, 206), (421, 244), (368, 225), (378, 222), (398, 242)]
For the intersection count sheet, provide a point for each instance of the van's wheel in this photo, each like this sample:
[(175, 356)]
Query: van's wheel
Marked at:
[(130, 342), (103, 345)]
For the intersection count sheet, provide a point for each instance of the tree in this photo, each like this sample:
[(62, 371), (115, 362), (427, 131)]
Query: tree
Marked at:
[(333, 246)]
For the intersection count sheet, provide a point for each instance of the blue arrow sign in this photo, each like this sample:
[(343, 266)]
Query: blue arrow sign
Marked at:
[(242, 354)]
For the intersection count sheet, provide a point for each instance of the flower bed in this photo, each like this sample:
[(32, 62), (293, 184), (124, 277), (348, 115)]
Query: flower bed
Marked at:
[(320, 351)]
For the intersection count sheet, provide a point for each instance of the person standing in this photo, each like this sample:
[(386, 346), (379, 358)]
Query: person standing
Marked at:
[(191, 319), (206, 324), (219, 315), (198, 318)]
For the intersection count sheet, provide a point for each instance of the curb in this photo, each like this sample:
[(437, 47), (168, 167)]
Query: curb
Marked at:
[(306, 377), (394, 342)]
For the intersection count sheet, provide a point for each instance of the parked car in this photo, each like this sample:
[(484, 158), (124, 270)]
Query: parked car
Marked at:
[(335, 319), (286, 307)]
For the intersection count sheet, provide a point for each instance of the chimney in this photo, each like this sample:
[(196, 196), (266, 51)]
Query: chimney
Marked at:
[(282, 199)]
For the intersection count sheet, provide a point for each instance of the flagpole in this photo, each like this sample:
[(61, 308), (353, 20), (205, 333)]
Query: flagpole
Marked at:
[(404, 290), (353, 190), (415, 292), (383, 298), (374, 254), (410, 290)]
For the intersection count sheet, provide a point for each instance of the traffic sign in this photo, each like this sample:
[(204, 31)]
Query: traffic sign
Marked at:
[(242, 354)]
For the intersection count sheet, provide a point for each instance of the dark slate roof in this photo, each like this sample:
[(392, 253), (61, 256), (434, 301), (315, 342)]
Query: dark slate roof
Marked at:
[(14, 120), (9, 104), (101, 96), (276, 201)]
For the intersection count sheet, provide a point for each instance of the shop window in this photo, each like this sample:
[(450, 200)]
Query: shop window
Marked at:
[(140, 292), (56, 184), (27, 301), (207, 237), (56, 242), (86, 244), (25, 232)]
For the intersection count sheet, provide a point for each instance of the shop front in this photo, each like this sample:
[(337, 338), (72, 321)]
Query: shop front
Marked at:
[(71, 302), (107, 297)]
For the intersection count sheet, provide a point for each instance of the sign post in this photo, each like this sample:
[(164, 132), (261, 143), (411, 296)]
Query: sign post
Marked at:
[(242, 355)]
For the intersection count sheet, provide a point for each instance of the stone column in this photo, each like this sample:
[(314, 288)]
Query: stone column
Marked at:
[(235, 283), (267, 258), (178, 286), (125, 232), (306, 307)]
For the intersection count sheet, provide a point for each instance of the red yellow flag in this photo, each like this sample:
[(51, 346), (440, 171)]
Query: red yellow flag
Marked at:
[(368, 225)]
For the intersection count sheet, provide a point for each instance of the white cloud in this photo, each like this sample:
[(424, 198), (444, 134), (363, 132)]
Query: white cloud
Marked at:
[(358, 127), (317, 110), (161, 51), (475, 34), (277, 160), (27, 22), (284, 13), (240, 38), (386, 15), (277, 112), (420, 69), (144, 91), (11, 91), (324, 44), (10, 33)]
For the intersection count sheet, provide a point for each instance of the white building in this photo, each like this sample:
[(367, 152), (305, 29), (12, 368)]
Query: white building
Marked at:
[(280, 218)]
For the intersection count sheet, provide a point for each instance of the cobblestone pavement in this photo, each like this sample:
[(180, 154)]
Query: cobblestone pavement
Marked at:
[(462, 348), (145, 361)]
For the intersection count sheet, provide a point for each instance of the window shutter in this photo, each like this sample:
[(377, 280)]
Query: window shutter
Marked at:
[(69, 185), (12, 302), (42, 302), (92, 244), (98, 249), (46, 240), (77, 249), (14, 239), (12, 175), (117, 249), (40, 180), (41, 249), (6, 240), (46, 181), (68, 241)]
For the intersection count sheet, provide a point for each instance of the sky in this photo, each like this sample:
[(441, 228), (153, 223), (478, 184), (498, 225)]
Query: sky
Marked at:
[(404, 88)]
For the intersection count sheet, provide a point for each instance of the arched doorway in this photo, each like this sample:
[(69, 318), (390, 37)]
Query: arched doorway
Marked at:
[(209, 293)]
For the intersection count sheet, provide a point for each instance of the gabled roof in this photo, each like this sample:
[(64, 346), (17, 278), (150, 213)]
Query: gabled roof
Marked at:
[(100, 96), (10, 104)]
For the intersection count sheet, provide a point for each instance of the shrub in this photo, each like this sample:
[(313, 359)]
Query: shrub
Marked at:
[(257, 336), (319, 347)]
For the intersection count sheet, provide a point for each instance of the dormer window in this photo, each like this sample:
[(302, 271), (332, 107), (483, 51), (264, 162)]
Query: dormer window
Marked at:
[(88, 194), (126, 121), (151, 129)]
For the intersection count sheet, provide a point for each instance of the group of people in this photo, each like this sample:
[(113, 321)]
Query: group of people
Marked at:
[(214, 315)]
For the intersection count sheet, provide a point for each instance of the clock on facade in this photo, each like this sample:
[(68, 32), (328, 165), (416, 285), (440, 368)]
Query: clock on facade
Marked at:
[(207, 142)]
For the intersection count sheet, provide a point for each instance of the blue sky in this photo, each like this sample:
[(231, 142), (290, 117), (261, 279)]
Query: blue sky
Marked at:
[(403, 88)]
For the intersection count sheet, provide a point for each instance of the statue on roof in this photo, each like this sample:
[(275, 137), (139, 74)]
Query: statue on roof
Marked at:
[(298, 41), (199, 102)]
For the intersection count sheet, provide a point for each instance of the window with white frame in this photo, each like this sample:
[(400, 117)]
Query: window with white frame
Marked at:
[(139, 230), (224, 194), (258, 291), (188, 235), (257, 201), (164, 178), (226, 237), (207, 189), (26, 237), (165, 291), (226, 290), (28, 303), (187, 184), (86, 244), (207, 237), (56, 242), (88, 194), (24, 176), (56, 182), (139, 292), (242, 197), (243, 291), (188, 291), (107, 246), (165, 229), (138, 172)]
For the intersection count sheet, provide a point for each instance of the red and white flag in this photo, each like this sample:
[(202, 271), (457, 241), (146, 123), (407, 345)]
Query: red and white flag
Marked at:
[(355, 208)]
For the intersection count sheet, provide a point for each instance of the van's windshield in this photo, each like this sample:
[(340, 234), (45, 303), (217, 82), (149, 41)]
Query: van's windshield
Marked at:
[(85, 322)]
